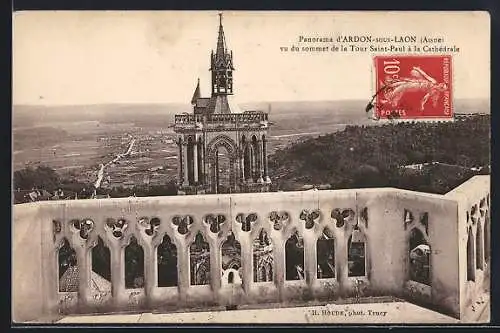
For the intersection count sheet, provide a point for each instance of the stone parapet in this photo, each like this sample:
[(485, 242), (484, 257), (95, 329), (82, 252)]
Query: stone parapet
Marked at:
[(380, 218)]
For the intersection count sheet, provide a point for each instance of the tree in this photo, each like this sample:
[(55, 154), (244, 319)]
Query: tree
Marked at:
[(373, 156), (367, 176), (42, 177)]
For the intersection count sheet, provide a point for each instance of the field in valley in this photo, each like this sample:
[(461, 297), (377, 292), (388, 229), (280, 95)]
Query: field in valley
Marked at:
[(75, 140)]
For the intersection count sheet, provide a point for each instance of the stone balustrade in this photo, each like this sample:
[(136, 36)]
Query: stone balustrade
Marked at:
[(474, 234), (230, 118), (380, 219)]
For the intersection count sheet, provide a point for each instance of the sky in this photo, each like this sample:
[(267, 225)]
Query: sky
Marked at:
[(71, 58)]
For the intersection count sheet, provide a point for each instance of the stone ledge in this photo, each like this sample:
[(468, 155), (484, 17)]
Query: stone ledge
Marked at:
[(361, 313)]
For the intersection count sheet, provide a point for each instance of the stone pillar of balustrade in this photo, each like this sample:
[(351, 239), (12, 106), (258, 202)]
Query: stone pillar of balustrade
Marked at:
[(117, 252), (246, 260), (83, 251), (150, 265), (183, 278), (341, 262), (310, 265), (279, 263), (215, 265), (47, 278)]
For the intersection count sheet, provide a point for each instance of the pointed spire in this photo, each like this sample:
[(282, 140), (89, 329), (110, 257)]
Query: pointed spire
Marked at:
[(196, 94), (221, 40)]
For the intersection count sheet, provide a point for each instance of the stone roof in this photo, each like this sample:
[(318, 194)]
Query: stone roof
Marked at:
[(196, 94), (69, 281), (202, 102)]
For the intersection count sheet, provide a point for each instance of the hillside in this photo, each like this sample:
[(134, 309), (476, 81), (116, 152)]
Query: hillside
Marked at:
[(373, 156)]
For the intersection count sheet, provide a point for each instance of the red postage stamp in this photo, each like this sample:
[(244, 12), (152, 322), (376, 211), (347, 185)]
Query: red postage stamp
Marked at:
[(413, 87)]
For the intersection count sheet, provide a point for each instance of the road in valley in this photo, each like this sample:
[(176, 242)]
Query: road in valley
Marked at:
[(100, 173)]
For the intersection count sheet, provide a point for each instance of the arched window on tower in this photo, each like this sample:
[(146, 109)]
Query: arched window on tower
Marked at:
[(356, 255)]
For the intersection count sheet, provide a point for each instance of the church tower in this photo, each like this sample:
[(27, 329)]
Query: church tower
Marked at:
[(221, 65), (221, 148)]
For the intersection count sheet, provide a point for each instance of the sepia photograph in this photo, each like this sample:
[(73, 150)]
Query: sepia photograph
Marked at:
[(251, 167)]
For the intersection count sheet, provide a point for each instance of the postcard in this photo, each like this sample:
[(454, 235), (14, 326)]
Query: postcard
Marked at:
[(251, 167)]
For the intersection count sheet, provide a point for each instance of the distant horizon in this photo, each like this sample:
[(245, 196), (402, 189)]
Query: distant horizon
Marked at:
[(242, 102)]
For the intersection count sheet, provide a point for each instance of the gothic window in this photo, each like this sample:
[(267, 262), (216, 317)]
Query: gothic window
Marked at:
[(231, 254), (167, 263), (356, 254), (68, 268), (419, 257), (479, 246), (471, 272), (486, 241), (325, 255), (221, 80), (262, 258), (294, 257), (134, 265), (223, 169), (199, 253), (101, 260)]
